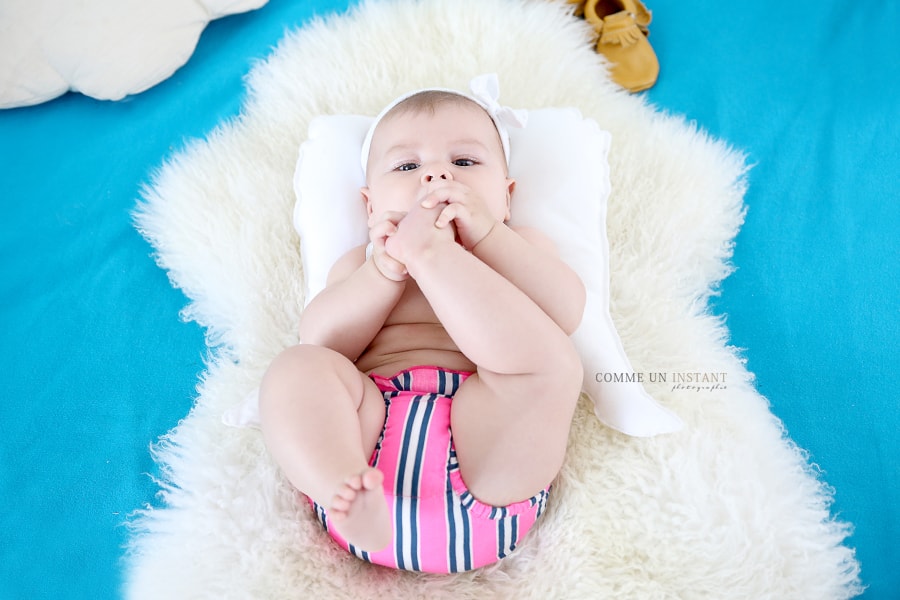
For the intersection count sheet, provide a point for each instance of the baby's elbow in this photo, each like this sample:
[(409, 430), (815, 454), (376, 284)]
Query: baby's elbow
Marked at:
[(572, 326), (314, 331), (574, 310), (308, 335), (571, 323)]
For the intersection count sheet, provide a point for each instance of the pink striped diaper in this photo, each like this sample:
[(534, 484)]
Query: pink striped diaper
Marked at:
[(439, 526)]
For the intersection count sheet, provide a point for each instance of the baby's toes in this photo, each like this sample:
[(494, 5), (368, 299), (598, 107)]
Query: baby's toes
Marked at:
[(354, 483), (343, 500), (339, 507), (372, 479)]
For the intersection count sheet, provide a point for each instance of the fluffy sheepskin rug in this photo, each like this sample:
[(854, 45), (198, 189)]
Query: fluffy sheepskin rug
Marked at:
[(726, 508)]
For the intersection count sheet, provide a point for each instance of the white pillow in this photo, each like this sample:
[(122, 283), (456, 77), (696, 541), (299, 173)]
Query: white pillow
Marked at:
[(105, 49), (559, 162)]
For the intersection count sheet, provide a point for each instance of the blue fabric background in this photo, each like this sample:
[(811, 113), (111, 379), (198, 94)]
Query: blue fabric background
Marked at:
[(97, 364)]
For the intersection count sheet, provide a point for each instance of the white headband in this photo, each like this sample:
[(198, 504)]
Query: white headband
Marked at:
[(485, 92)]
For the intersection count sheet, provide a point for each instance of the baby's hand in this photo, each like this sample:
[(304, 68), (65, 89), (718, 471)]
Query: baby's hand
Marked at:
[(462, 207), (417, 233), (380, 230)]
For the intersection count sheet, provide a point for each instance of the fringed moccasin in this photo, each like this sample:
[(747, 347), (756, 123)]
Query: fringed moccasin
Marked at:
[(622, 28)]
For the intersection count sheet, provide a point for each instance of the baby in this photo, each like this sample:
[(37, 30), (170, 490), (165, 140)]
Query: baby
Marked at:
[(428, 407)]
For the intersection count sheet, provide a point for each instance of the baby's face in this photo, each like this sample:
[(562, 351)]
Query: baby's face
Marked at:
[(413, 153)]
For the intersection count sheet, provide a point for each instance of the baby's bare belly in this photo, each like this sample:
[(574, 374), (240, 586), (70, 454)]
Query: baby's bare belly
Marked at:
[(400, 346)]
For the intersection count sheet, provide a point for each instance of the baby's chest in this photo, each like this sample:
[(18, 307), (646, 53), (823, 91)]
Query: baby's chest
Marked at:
[(413, 307)]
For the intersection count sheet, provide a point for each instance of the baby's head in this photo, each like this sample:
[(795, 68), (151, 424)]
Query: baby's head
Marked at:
[(430, 137), (429, 100)]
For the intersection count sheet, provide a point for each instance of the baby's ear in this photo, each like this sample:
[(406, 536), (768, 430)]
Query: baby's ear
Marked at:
[(364, 196), (510, 186)]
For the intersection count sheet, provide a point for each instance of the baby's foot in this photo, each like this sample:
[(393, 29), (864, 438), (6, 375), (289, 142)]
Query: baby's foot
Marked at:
[(359, 511)]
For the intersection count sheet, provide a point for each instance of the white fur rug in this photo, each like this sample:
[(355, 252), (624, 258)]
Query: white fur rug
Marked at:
[(727, 508)]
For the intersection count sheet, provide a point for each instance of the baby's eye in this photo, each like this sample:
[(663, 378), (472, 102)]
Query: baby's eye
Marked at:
[(407, 166), (464, 162)]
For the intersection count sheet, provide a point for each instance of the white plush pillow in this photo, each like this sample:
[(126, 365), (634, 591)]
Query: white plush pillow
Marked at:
[(559, 161), (105, 49)]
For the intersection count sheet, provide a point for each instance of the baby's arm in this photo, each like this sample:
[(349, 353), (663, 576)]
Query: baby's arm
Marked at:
[(352, 308), (495, 324), (528, 259), (525, 257)]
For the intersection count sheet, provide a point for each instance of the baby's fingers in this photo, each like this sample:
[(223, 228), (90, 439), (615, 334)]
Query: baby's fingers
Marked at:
[(391, 216), (449, 214), (441, 193), (432, 200), (391, 268), (382, 231)]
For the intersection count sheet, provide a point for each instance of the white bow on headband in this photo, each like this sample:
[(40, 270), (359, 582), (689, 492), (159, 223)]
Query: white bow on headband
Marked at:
[(486, 91)]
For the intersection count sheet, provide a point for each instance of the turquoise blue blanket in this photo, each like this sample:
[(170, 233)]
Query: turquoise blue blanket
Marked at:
[(97, 364)]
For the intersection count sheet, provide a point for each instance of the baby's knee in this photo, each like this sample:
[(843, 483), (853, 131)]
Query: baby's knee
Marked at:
[(562, 358), (290, 360), (290, 368)]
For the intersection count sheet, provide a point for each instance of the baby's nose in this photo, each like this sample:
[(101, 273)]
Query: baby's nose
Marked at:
[(435, 173)]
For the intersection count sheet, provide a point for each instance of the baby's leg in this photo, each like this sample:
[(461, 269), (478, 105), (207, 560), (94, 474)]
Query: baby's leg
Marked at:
[(511, 419), (321, 419)]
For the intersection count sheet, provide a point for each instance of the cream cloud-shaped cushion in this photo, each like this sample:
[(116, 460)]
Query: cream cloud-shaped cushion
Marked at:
[(106, 49), (559, 161)]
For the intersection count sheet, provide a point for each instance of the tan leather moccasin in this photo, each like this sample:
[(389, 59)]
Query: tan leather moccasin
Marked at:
[(622, 28)]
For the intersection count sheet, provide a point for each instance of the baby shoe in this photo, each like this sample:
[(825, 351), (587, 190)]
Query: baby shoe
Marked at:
[(622, 25)]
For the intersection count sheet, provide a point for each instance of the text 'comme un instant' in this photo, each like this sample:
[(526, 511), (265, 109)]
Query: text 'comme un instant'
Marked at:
[(680, 380)]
